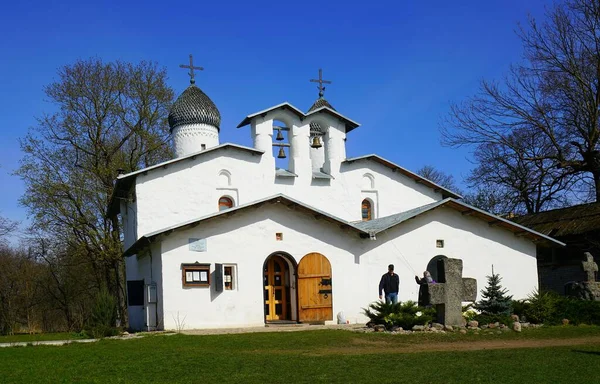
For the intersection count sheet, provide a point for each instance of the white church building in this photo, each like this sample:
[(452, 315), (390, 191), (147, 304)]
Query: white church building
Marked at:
[(221, 237)]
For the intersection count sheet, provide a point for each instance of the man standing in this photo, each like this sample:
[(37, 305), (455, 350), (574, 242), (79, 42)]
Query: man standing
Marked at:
[(390, 284)]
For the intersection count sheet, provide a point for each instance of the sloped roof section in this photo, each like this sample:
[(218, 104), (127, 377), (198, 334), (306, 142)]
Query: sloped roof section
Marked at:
[(286, 201), (321, 102), (285, 106), (417, 178), (350, 124), (379, 225), (575, 220), (324, 107), (376, 226), (365, 229)]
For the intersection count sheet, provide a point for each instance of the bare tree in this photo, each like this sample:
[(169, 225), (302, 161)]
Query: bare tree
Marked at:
[(109, 116), (551, 102), (6, 227), (440, 178)]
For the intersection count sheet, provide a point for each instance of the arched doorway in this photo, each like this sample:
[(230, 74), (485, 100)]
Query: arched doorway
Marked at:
[(315, 296), (436, 268), (279, 284)]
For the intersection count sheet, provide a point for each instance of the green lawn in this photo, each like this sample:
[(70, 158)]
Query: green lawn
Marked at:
[(328, 356), (39, 337)]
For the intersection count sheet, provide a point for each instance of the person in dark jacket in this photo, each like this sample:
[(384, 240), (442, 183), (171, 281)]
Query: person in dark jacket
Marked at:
[(424, 288), (390, 284)]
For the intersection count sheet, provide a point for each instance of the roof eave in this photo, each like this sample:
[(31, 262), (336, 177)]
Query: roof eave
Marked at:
[(290, 203), (248, 119), (417, 178), (350, 124)]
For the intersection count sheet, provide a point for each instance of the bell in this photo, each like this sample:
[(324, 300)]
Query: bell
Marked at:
[(281, 154), (316, 143), (279, 135)]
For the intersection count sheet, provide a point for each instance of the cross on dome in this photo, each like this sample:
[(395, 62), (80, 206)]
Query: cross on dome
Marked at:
[(320, 87), (191, 68)]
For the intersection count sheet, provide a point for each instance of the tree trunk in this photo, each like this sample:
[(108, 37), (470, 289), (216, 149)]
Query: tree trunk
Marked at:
[(597, 184)]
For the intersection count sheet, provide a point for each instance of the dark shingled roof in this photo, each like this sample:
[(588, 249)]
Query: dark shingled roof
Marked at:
[(194, 107), (321, 102), (560, 222), (315, 128)]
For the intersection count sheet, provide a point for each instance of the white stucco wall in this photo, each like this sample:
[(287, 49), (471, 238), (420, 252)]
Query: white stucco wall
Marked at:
[(247, 238), (191, 188)]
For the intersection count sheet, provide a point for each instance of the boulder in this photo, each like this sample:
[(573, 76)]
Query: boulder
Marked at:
[(492, 325), (517, 326), (514, 317), (565, 321), (418, 328), (437, 326), (379, 328), (525, 325), (473, 323), (448, 328), (463, 331)]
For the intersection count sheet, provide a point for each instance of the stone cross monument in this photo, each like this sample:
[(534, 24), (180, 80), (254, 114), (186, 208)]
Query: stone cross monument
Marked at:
[(590, 267), (449, 295)]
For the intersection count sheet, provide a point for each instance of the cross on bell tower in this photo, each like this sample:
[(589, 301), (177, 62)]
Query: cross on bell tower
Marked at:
[(191, 68), (320, 87)]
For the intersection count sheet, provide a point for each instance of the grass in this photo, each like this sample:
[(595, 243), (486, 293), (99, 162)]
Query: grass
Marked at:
[(327, 356), (25, 337)]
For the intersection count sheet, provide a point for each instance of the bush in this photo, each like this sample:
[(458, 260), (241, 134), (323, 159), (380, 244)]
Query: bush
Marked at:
[(483, 318), (550, 308), (520, 307), (104, 316), (542, 308), (405, 315)]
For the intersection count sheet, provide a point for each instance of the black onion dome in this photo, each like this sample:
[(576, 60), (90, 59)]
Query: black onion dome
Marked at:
[(194, 107), (315, 128), (321, 102)]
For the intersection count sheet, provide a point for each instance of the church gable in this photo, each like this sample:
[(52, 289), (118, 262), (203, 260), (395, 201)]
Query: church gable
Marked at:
[(417, 179)]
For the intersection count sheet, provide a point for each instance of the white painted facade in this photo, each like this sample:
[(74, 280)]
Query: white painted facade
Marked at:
[(188, 189)]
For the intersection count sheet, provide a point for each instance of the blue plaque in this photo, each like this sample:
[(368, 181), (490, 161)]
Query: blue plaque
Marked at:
[(197, 245)]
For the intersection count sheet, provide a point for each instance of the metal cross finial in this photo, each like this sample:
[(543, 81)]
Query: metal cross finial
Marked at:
[(191, 68), (320, 87)]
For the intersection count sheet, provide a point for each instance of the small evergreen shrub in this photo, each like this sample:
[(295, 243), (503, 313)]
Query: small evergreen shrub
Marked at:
[(104, 316), (495, 300), (405, 315)]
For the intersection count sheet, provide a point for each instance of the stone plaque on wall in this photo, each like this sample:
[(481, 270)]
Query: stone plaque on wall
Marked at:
[(197, 245)]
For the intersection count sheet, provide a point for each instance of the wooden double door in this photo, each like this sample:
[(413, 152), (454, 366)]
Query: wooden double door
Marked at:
[(314, 289)]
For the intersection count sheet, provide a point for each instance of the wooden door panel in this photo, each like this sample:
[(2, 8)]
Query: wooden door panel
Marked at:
[(315, 299), (275, 289)]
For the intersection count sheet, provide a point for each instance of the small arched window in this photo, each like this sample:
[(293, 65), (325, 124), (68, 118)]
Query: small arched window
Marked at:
[(225, 203), (367, 210)]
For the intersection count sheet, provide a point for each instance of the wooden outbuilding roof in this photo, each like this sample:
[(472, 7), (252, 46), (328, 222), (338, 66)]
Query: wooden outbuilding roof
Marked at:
[(575, 220)]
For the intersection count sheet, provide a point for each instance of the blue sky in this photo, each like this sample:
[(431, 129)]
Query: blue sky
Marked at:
[(395, 65)]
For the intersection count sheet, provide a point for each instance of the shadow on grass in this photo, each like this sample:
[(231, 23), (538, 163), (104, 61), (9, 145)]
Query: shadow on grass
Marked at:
[(586, 352)]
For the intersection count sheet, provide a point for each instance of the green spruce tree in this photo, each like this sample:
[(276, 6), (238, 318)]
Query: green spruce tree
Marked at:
[(495, 300)]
